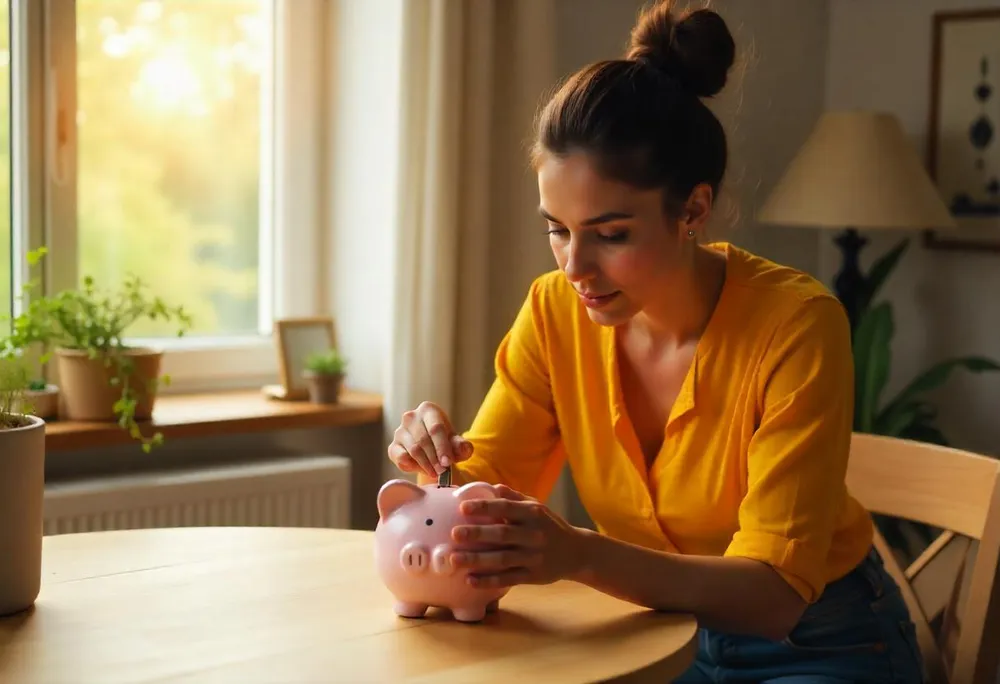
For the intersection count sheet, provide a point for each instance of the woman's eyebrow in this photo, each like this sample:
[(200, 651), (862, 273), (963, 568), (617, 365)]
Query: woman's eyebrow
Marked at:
[(596, 220)]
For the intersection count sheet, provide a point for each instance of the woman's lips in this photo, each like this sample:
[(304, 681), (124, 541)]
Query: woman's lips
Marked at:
[(596, 301)]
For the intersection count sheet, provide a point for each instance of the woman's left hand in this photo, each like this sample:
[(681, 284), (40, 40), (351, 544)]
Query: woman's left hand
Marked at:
[(532, 545)]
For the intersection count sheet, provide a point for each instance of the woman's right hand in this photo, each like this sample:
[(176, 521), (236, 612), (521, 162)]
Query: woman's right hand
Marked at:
[(426, 442)]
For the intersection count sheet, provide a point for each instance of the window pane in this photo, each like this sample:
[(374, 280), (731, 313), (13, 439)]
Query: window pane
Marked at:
[(169, 100), (6, 251)]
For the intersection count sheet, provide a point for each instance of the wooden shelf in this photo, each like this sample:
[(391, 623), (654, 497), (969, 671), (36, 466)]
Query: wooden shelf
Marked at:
[(219, 413)]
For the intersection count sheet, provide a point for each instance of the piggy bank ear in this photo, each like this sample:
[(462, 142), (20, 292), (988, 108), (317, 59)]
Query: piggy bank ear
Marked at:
[(475, 490), (396, 493)]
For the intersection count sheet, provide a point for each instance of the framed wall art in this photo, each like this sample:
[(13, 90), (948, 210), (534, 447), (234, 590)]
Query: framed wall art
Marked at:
[(963, 150)]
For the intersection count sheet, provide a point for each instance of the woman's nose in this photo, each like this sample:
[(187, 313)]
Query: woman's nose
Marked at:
[(579, 264)]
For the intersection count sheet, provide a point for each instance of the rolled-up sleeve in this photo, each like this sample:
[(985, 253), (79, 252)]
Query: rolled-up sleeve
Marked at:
[(797, 460)]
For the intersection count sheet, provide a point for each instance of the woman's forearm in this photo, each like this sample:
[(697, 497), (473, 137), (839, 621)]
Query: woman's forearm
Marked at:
[(736, 595)]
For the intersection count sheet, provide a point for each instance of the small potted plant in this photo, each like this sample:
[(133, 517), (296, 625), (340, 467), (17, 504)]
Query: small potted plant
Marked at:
[(41, 399), (22, 491), (101, 376), (325, 376)]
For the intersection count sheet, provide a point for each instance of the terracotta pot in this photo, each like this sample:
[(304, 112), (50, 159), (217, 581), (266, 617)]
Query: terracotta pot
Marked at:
[(43, 403), (22, 492), (323, 388), (88, 393)]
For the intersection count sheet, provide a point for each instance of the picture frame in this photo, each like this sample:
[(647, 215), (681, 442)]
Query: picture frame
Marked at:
[(963, 131), (296, 339)]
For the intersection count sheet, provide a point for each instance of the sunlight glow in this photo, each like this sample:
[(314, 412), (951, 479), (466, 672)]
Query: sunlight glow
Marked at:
[(170, 81)]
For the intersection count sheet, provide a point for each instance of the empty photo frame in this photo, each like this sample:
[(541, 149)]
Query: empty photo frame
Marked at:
[(297, 339)]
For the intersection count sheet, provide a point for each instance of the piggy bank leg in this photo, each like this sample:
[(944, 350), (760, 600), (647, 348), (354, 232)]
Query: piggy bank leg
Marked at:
[(493, 606), (470, 613), (409, 610)]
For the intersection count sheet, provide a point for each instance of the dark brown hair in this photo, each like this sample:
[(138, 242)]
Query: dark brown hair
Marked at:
[(641, 118)]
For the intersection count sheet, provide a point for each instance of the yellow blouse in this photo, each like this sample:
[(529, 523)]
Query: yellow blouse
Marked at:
[(755, 448)]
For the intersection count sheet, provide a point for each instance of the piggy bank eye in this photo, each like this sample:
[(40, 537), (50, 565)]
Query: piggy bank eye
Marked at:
[(428, 522)]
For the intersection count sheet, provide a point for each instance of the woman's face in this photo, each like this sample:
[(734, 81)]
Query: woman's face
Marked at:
[(613, 242)]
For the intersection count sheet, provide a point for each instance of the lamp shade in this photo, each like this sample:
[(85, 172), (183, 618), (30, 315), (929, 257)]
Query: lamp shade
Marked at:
[(856, 170)]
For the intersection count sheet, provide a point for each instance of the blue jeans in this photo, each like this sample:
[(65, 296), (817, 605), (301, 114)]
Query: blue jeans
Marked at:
[(858, 631)]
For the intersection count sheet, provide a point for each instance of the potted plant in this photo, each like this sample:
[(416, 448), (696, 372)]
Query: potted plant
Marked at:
[(101, 376), (22, 492), (911, 413), (40, 399), (325, 376)]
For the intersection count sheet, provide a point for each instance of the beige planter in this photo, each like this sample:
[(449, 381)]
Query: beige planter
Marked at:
[(87, 391), (323, 388), (22, 491)]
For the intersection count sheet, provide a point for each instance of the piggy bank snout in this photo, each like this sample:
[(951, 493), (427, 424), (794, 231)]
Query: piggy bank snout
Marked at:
[(417, 559)]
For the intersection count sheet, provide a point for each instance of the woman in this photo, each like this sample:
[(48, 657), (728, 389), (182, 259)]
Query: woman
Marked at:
[(701, 395)]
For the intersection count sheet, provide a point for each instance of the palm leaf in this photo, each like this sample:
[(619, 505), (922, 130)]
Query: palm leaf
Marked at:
[(936, 376), (879, 273), (896, 420), (872, 360)]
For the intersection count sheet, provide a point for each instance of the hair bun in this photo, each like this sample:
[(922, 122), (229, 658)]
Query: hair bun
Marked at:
[(697, 48)]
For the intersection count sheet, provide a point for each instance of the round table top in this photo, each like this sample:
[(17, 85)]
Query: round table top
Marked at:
[(304, 605)]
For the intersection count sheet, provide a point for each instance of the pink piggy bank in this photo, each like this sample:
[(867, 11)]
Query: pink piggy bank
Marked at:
[(413, 547)]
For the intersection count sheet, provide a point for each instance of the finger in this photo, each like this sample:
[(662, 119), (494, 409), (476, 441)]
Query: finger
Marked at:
[(505, 492), (461, 448), (509, 535), (415, 451), (439, 432), (495, 561), (497, 580), (422, 439), (513, 511), (402, 459)]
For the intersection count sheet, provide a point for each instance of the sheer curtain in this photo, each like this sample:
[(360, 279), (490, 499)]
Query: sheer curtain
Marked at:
[(472, 74)]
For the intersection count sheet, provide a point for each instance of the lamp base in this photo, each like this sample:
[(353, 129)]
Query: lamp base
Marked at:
[(849, 283)]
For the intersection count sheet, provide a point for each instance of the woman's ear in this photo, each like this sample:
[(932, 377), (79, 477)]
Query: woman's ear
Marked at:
[(696, 211)]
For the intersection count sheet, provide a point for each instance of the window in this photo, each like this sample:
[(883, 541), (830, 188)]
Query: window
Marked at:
[(171, 126), (166, 154), (6, 235)]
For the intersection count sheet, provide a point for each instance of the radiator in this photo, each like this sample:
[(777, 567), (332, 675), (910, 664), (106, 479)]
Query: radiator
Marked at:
[(307, 491)]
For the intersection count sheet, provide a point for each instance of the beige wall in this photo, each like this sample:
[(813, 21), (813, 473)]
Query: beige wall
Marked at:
[(946, 303)]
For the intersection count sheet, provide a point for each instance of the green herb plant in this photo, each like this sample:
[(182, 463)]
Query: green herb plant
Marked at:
[(328, 362), (95, 321), (14, 379)]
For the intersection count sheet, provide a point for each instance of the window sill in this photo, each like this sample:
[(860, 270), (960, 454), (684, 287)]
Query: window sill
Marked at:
[(210, 414)]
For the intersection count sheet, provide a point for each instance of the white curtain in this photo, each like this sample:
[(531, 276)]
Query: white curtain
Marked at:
[(472, 74)]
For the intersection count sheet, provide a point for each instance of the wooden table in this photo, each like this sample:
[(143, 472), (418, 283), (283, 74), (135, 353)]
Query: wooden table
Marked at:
[(304, 605)]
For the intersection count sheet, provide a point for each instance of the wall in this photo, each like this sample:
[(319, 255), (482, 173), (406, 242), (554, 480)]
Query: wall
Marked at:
[(946, 303)]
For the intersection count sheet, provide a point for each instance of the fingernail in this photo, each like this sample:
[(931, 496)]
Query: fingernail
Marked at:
[(445, 461), (461, 533), (459, 558)]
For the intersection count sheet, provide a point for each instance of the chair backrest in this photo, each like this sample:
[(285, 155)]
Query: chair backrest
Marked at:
[(958, 493)]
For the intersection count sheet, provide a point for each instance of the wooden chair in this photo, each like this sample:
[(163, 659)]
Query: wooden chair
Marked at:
[(958, 492)]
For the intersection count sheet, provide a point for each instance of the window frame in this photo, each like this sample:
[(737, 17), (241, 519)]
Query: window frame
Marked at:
[(45, 200)]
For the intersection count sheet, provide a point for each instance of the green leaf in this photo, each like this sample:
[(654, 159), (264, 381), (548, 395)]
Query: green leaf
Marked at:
[(893, 423), (937, 375), (872, 361), (879, 273)]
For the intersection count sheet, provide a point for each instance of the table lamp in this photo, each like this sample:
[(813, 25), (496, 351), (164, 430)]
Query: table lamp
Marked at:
[(856, 171)]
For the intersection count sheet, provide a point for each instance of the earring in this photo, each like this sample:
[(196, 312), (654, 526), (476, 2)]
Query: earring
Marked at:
[(690, 233)]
